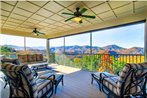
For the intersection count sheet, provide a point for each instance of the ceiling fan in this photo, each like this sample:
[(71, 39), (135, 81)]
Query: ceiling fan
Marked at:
[(78, 14), (36, 32)]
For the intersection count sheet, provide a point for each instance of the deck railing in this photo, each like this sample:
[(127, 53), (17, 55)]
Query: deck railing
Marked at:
[(96, 62), (13, 55), (92, 62)]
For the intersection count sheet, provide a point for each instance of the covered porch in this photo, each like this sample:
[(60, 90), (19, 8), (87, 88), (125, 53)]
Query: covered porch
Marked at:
[(69, 56)]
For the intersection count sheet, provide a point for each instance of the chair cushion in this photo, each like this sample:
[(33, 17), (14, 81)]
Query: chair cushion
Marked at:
[(57, 76), (138, 73), (45, 72), (13, 61), (43, 87), (31, 58), (97, 74), (26, 77), (23, 58), (111, 83), (39, 57)]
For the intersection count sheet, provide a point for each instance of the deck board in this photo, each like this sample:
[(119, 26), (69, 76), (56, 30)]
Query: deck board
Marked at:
[(77, 84)]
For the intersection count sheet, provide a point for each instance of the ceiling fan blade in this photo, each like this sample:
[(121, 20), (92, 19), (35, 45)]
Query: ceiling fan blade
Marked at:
[(83, 10), (41, 33), (67, 13), (69, 19), (88, 16)]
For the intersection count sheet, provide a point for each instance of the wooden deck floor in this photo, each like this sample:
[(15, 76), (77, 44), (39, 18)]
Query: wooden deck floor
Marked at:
[(77, 84)]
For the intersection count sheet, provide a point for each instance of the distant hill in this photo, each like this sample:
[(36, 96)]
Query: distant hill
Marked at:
[(86, 49), (112, 48), (133, 50), (21, 48), (15, 47)]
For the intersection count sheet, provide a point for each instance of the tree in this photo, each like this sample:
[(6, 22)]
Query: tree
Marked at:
[(52, 58), (86, 62), (7, 49), (105, 64), (77, 62), (117, 65)]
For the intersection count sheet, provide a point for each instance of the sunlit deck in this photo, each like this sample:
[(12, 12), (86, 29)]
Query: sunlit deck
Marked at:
[(77, 84)]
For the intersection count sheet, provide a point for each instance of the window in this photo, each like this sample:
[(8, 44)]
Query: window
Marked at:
[(111, 48), (10, 45), (56, 50), (117, 46), (36, 45), (77, 44), (77, 48), (57, 45), (120, 39)]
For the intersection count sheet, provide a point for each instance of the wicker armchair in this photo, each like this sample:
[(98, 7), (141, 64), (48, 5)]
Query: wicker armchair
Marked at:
[(132, 81), (23, 83)]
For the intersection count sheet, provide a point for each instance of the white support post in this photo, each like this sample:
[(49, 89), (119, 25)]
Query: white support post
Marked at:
[(145, 41), (25, 44), (47, 50)]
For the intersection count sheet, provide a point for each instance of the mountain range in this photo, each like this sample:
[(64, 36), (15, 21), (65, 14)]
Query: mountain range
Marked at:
[(22, 48), (86, 49)]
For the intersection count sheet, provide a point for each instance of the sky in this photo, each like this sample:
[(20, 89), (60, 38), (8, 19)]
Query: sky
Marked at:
[(19, 41), (126, 36)]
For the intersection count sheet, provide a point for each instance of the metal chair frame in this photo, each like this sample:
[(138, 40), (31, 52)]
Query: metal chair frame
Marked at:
[(140, 81), (16, 83)]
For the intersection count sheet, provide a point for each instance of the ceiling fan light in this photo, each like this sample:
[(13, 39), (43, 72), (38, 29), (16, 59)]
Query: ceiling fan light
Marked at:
[(77, 19)]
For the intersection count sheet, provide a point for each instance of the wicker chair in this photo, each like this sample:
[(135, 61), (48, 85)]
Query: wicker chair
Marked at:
[(23, 83), (131, 82)]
